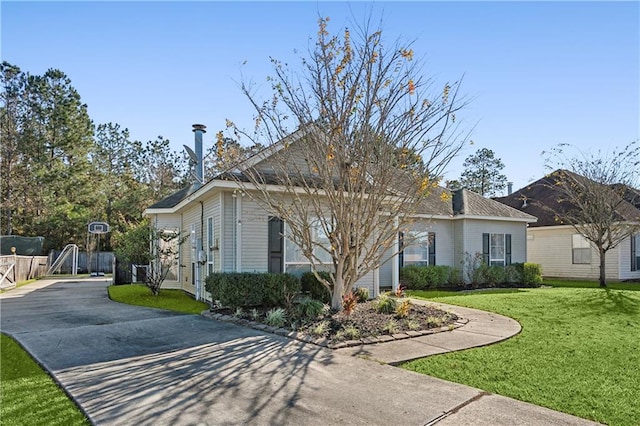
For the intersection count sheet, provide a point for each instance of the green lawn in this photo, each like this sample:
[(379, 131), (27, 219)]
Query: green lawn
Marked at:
[(172, 300), (578, 352), (29, 396)]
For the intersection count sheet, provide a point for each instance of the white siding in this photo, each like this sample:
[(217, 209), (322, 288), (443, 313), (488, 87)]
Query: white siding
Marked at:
[(386, 269), (624, 258), (255, 229), (228, 248), (458, 243), (550, 246), (169, 221), (474, 228), (212, 210), (366, 282), (191, 215)]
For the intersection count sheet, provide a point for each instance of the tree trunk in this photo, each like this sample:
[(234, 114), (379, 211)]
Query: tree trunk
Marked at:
[(338, 288), (603, 271)]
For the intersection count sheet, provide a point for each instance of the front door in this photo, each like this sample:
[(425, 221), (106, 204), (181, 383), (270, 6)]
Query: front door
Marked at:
[(276, 245)]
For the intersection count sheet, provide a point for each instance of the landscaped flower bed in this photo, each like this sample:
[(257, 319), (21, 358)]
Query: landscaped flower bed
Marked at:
[(365, 324)]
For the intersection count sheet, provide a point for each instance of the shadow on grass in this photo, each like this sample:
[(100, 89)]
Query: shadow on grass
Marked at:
[(606, 301), (430, 294)]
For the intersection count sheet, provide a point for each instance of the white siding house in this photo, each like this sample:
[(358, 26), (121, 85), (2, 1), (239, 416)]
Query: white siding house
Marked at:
[(560, 249), (229, 231)]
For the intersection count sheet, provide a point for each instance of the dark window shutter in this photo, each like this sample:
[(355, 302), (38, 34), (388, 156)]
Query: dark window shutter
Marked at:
[(485, 248), (401, 249), (634, 258), (432, 248), (507, 249)]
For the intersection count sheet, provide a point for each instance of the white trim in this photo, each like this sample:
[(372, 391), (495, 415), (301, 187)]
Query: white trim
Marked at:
[(239, 231), (221, 238), (496, 218), (395, 261)]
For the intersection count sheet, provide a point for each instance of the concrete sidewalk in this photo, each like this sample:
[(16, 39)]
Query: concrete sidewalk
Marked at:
[(483, 328), (131, 365)]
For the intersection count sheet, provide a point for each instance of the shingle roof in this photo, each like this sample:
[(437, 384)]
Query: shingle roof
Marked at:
[(542, 200), (174, 199), (469, 203)]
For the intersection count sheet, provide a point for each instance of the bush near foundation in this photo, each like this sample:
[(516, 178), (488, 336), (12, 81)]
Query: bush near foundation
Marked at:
[(245, 289)]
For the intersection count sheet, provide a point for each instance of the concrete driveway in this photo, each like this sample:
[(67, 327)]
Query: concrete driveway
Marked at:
[(131, 365)]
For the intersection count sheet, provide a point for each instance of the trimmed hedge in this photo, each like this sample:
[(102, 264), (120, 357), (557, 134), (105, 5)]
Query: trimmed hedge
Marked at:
[(414, 277), (424, 277), (314, 288), (242, 289)]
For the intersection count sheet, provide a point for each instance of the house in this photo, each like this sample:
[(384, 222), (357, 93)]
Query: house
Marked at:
[(559, 248), (230, 231)]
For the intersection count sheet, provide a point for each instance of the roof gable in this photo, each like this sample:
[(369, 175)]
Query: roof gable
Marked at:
[(469, 203), (543, 200)]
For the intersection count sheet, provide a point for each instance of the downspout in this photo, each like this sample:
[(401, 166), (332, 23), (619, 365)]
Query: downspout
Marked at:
[(199, 242)]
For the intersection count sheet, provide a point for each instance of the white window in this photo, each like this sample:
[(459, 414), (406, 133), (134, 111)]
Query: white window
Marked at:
[(296, 262), (419, 247), (581, 249), (497, 249)]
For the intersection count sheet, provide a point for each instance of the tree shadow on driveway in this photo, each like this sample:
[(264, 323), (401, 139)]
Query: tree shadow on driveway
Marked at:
[(252, 379)]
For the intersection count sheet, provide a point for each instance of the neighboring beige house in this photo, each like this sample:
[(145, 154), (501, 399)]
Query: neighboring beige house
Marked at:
[(560, 249), (231, 232)]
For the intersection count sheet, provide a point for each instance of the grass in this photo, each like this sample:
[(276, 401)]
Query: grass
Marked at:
[(578, 352), (29, 395), (171, 300), (590, 284)]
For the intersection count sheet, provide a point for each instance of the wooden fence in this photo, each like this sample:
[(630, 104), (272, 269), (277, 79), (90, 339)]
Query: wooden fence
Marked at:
[(87, 263), (21, 268)]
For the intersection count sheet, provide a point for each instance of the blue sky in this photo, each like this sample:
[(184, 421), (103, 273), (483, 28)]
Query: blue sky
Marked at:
[(539, 73)]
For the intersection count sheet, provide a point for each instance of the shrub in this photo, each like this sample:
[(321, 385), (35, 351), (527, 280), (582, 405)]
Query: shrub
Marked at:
[(385, 304), (351, 332), (402, 310), (494, 275), (349, 302), (275, 317), (434, 321), (391, 326), (424, 277), (242, 289), (532, 274), (362, 294), (513, 273), (309, 309), (320, 329), (413, 325), (279, 289), (456, 278), (213, 285), (412, 277), (314, 288)]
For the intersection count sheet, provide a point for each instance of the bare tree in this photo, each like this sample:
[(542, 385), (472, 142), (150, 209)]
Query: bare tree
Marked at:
[(372, 140), (159, 249), (591, 192)]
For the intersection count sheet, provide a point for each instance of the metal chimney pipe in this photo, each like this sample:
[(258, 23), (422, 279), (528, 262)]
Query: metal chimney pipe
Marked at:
[(199, 130), (509, 188)]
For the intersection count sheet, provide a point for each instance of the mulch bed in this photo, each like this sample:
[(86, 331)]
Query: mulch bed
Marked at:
[(363, 325)]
